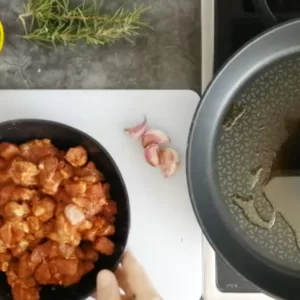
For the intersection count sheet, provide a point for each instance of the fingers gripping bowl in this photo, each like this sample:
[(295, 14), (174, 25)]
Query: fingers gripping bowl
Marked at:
[(85, 167)]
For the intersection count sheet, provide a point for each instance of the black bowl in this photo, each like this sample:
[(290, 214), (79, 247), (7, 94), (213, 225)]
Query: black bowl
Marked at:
[(64, 137)]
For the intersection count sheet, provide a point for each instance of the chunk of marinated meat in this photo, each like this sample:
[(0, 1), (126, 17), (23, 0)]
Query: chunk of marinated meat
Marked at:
[(49, 177), (89, 253), (88, 173), (100, 228), (62, 251), (40, 253), (62, 196), (90, 206), (75, 189), (21, 247), (74, 214), (19, 229), (15, 210), (23, 172), (93, 201), (44, 209), (20, 193), (21, 293), (6, 235), (60, 208), (77, 156), (4, 164), (106, 190), (85, 225), (25, 267), (104, 228), (109, 211), (83, 268), (37, 228), (9, 151), (11, 273), (60, 267), (88, 266), (5, 259), (48, 227), (48, 166), (5, 177), (33, 242), (65, 233), (65, 170), (34, 224), (35, 150), (104, 245), (6, 194), (66, 251), (94, 191), (43, 275)]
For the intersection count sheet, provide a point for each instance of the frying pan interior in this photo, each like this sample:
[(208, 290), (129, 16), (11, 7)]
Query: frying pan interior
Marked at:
[(259, 137), (247, 128)]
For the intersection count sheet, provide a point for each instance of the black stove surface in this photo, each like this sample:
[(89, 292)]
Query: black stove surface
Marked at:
[(236, 22)]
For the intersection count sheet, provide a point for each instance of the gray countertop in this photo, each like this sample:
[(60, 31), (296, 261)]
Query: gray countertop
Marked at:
[(167, 57)]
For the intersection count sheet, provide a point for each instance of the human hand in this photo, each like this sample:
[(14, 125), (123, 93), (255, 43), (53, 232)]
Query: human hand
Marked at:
[(130, 277)]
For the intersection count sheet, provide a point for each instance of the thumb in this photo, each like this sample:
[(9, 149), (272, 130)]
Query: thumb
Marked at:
[(107, 286)]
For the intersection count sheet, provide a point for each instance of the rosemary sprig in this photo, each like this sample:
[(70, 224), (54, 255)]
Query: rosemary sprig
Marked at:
[(54, 21)]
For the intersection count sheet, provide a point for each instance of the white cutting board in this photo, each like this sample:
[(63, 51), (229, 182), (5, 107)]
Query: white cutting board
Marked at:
[(165, 235)]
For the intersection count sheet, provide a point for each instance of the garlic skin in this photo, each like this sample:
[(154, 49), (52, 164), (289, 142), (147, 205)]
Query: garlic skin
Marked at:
[(169, 161), (152, 155), (137, 131), (154, 136)]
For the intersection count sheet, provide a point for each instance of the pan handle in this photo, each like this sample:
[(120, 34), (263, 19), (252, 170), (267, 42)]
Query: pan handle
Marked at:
[(266, 15)]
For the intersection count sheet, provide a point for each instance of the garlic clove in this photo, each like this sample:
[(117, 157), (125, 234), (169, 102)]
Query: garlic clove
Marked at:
[(154, 136), (137, 131), (169, 161), (151, 155)]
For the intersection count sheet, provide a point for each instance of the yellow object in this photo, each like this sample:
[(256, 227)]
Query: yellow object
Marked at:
[(1, 36)]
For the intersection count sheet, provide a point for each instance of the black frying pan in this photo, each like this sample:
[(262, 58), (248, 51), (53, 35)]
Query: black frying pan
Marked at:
[(246, 127)]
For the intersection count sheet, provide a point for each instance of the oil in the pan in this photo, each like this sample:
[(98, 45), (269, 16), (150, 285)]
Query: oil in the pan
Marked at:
[(283, 191), (283, 187), (247, 205)]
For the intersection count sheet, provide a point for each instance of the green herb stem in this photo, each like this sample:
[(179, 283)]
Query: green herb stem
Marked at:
[(53, 21)]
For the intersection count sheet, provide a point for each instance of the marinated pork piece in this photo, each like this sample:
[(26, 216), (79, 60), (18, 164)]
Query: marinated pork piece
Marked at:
[(21, 293), (76, 156), (14, 210), (23, 172), (9, 151), (35, 150), (49, 177), (88, 173), (104, 245), (75, 189), (5, 259), (44, 209)]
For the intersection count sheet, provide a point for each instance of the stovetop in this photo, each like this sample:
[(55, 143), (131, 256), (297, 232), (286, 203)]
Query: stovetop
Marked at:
[(236, 22), (226, 26)]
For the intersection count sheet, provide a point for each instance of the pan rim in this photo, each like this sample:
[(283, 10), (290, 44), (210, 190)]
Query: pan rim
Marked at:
[(268, 278)]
